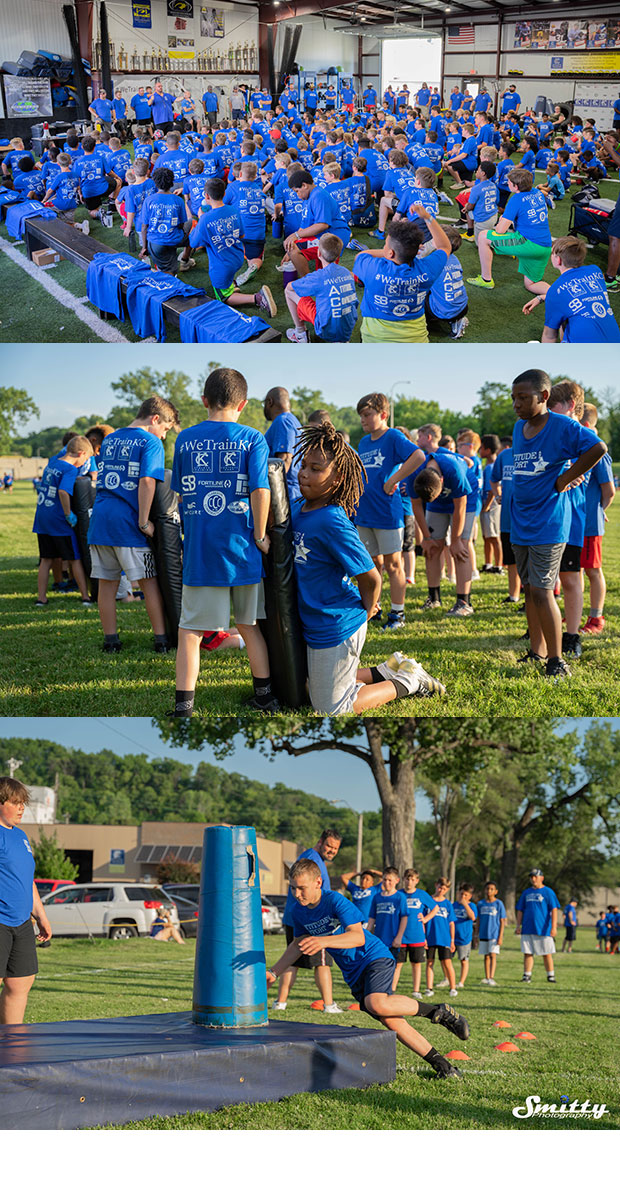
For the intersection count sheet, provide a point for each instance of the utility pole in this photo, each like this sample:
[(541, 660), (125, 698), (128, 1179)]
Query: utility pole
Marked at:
[(13, 764)]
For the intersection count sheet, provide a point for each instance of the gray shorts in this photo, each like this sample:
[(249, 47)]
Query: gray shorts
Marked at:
[(489, 521), (109, 562), (489, 947), (381, 541), (332, 672), (439, 524), (209, 607), (464, 952), (539, 565), (480, 226)]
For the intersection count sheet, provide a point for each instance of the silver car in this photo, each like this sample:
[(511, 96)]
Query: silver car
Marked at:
[(114, 910)]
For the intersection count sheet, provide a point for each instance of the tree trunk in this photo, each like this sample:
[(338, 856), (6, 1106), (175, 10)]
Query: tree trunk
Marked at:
[(508, 878), (397, 793), (452, 870)]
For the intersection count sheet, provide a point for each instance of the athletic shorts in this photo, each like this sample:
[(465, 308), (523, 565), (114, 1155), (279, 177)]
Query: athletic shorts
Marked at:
[(209, 607), (484, 226), (464, 172), (530, 944), (539, 565), (570, 932), (531, 257), (223, 293), (571, 558), (613, 229), (18, 951), (592, 553), (165, 257), (463, 952), (308, 961), (56, 546), (489, 521), (109, 562), (253, 249), (508, 554), (409, 532), (490, 947), (443, 953), (376, 329), (310, 250), (415, 953), (439, 524), (442, 325), (306, 309), (92, 203), (381, 541), (332, 674), (378, 977)]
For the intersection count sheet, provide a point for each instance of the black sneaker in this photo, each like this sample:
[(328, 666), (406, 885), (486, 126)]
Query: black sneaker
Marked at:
[(509, 600), (378, 617), (529, 656), (41, 603), (526, 979), (161, 647), (571, 645), (446, 1070), (447, 1016), (430, 603), (551, 979), (270, 705), (557, 670), (111, 647)]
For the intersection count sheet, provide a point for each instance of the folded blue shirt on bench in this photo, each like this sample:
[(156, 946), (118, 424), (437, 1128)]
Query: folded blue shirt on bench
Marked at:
[(18, 214), (146, 296), (104, 280), (217, 322)]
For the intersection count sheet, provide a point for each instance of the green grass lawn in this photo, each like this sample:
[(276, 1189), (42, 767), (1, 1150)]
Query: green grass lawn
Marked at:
[(573, 1022), (495, 318), (52, 663)]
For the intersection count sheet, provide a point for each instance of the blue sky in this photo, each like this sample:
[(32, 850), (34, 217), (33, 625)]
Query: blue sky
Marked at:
[(67, 381)]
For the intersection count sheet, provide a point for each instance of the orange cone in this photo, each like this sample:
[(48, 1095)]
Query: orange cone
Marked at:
[(527, 1037), (354, 1008), (506, 1047), (458, 1054), (502, 1025), (318, 1004)]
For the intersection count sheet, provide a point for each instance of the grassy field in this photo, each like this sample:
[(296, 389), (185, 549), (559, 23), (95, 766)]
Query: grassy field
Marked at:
[(495, 318), (573, 1023), (52, 663)]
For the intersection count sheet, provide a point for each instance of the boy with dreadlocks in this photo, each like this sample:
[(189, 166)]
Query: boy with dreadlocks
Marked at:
[(334, 613)]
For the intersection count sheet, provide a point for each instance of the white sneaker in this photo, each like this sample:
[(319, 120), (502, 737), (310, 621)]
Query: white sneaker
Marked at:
[(296, 335), (442, 983), (429, 992), (246, 275), (279, 1005), (332, 1008), (187, 265), (485, 980), (411, 674), (491, 983), (475, 575), (459, 985), (283, 266), (417, 995), (453, 992)]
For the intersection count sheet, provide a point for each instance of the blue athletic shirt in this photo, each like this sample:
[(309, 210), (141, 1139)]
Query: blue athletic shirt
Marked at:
[(92, 173), (381, 457), (395, 291), (463, 925), (570, 916), (484, 197), (419, 903), (333, 289), (438, 928), (103, 108), (16, 876), (321, 209), (219, 231), (146, 296), (162, 108), (397, 180), (529, 215), (539, 514), (247, 198), (328, 555), (29, 181), (49, 517), (474, 476), (501, 472), (579, 302), (127, 456), (216, 466), (469, 149), (331, 915), (119, 162), (490, 914), (64, 189), (164, 215), (537, 905), (134, 202), (282, 437), (448, 296), (104, 280), (362, 897), (502, 170), (601, 929), (601, 473), (194, 192), (387, 913), (315, 857), (218, 322), (455, 482)]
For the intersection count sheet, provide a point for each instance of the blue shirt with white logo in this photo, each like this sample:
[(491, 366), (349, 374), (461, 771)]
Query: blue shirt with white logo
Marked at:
[(333, 289), (540, 515), (419, 903), (314, 857), (537, 905), (16, 876), (438, 928), (332, 915), (328, 556), (127, 456), (58, 475), (380, 458), (529, 215), (395, 291), (490, 915), (219, 231), (463, 924), (363, 897), (387, 913), (578, 302)]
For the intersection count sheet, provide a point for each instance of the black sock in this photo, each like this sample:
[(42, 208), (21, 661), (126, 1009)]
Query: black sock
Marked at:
[(184, 703), (426, 1010), (433, 1056), (111, 639), (262, 689), (462, 596), (434, 593), (161, 639), (377, 677)]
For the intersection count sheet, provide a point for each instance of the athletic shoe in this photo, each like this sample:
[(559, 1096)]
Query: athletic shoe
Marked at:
[(478, 281), (69, 586), (283, 266), (460, 985), (297, 335), (264, 299), (456, 187), (457, 328), (376, 233), (430, 603), (442, 984), (551, 979), (279, 1005), (415, 678), (447, 1016), (111, 647), (332, 1008), (593, 625), (87, 604), (446, 1070), (187, 265), (612, 285), (354, 244), (474, 575), (491, 983), (267, 706), (445, 199), (557, 670), (161, 647), (396, 620), (461, 609), (529, 656), (485, 981), (417, 995), (83, 226), (429, 992), (571, 645), (526, 978), (496, 570), (509, 600), (378, 617), (41, 603), (468, 237), (453, 992), (246, 275), (410, 581)]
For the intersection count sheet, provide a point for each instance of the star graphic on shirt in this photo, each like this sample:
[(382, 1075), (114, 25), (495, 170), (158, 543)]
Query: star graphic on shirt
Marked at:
[(379, 459), (540, 465), (301, 551)]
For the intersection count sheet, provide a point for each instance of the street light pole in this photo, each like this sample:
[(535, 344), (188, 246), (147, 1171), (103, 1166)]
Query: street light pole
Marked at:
[(395, 385), (360, 837)]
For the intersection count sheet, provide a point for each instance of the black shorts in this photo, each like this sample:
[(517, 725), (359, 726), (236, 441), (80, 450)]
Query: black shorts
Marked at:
[(308, 961), (508, 554), (51, 546), (92, 203), (18, 951), (465, 173), (570, 933), (378, 977), (165, 257), (571, 558), (443, 953), (441, 324), (414, 953), (409, 535)]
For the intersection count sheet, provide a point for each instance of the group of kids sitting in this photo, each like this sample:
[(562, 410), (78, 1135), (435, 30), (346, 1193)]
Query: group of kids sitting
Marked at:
[(541, 502), (320, 176)]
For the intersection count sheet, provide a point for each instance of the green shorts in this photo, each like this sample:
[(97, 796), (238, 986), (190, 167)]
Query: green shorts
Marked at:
[(531, 257), (224, 293)]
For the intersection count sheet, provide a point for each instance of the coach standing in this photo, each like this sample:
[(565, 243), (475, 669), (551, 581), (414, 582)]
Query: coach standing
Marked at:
[(19, 899)]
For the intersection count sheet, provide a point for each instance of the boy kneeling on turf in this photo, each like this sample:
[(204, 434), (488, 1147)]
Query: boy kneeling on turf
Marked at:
[(366, 964), (325, 299)]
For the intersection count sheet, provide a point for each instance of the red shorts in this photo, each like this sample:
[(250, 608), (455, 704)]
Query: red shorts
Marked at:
[(350, 108), (306, 309), (310, 251), (213, 640), (592, 553)]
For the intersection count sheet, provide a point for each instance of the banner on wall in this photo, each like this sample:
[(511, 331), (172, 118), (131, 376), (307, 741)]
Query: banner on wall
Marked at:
[(596, 100), (181, 8), (211, 22), (141, 15), (567, 35), (608, 64)]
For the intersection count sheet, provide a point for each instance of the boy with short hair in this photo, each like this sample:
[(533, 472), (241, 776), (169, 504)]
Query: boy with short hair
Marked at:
[(54, 519), (367, 966), (570, 926), (134, 200), (194, 188), (63, 192), (529, 239), (420, 908), (326, 298), (490, 926), (601, 933), (440, 938), (388, 914), (395, 282), (175, 159), (490, 512), (577, 307), (362, 893), (164, 225), (465, 913), (537, 909), (481, 207), (219, 231), (567, 397), (246, 196), (446, 305)]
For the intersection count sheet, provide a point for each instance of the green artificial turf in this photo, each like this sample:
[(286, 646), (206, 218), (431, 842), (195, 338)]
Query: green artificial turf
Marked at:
[(52, 664), (573, 1021), (492, 318)]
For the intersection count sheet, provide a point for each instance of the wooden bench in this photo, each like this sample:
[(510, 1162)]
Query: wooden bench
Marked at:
[(80, 249)]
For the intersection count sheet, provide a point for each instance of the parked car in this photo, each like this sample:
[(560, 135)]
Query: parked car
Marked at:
[(45, 886), (279, 900), (189, 891), (187, 910), (272, 921), (114, 910)]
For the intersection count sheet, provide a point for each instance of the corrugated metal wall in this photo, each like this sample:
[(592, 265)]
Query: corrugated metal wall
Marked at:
[(32, 25)]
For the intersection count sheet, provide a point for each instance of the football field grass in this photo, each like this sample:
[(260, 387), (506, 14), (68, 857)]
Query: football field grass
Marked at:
[(33, 315), (574, 1023), (52, 663)]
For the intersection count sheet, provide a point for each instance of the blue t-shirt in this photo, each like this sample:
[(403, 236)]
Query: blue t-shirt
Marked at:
[(528, 163), (455, 482), (146, 296), (162, 108), (219, 231), (510, 101), (482, 102), (423, 97), (282, 438), (127, 456), (118, 162), (216, 467), (539, 514), (328, 555), (16, 876), (247, 198), (92, 173), (474, 476), (438, 928), (363, 897), (455, 100), (484, 197), (387, 913), (501, 472), (578, 301), (395, 291), (601, 924), (140, 106), (321, 209), (502, 171), (49, 518), (331, 915), (570, 916), (177, 162), (463, 925), (602, 472), (419, 903), (315, 857), (103, 108), (333, 289), (194, 190), (64, 189), (104, 280), (164, 215), (490, 914), (134, 201), (29, 181), (209, 99), (537, 905), (380, 457), (530, 216), (448, 296), (218, 322)]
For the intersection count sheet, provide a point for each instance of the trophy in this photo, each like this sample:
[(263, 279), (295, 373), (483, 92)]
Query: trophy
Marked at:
[(245, 56), (112, 57)]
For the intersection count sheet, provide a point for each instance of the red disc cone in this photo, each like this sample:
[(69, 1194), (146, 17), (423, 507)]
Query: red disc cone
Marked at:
[(502, 1025), (527, 1037), (506, 1047), (318, 1004), (354, 1008), (458, 1054)]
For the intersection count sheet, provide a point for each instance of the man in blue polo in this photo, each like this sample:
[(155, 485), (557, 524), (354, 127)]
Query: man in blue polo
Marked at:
[(162, 107), (102, 110), (209, 105), (537, 922), (141, 107), (511, 100)]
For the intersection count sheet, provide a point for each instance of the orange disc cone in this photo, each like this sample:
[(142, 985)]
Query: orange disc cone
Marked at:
[(318, 1004), (502, 1025), (458, 1054), (354, 1008), (506, 1047), (527, 1037)]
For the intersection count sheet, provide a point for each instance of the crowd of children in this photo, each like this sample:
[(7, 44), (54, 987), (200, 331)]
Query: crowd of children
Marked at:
[(318, 176)]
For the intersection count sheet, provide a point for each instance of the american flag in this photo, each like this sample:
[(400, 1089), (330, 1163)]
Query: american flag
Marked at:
[(460, 35)]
